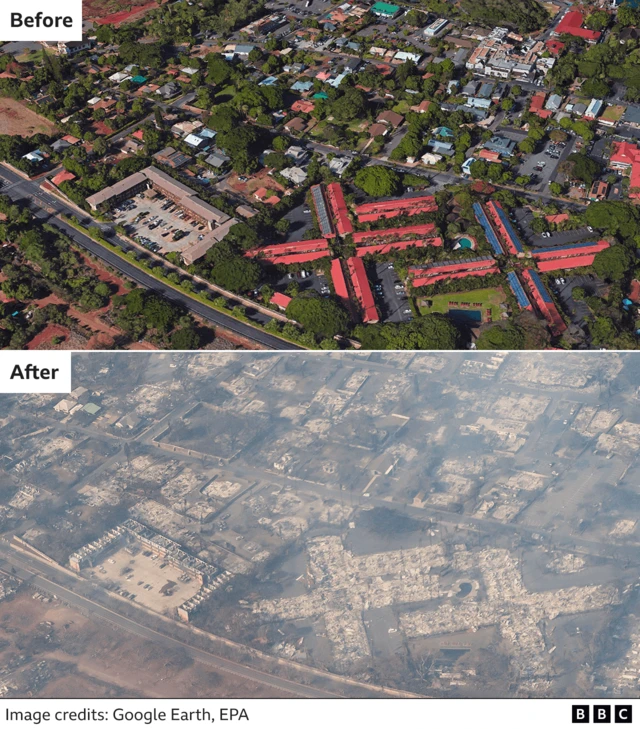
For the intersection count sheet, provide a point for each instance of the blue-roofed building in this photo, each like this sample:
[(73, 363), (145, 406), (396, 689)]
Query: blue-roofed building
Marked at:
[(518, 291), (502, 145), (481, 217), (302, 86), (269, 81)]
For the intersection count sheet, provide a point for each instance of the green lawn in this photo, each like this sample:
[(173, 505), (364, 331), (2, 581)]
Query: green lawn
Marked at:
[(488, 298)]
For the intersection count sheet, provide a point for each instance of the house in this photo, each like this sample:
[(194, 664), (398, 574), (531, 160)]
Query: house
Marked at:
[(537, 105), (294, 174), (280, 300), (631, 116), (599, 191), (502, 145), (442, 148), (295, 126), (339, 164), (168, 90), (422, 107), (264, 196), (378, 130), (429, 158), (554, 102), (297, 154), (302, 106), (594, 109), (302, 86), (171, 158), (391, 118), (70, 48), (64, 176), (218, 159)]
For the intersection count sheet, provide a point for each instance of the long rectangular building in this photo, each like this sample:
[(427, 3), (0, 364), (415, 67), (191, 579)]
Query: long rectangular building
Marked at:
[(505, 228), (543, 301), (362, 290), (566, 257), (518, 291), (322, 212), (489, 232), (339, 282), (339, 209), (398, 245), (408, 231), (434, 272), (368, 212), (283, 249)]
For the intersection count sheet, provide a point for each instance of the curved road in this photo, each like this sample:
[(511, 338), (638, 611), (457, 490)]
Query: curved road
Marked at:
[(18, 188)]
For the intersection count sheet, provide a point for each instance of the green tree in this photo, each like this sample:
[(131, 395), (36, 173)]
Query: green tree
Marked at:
[(323, 317), (378, 181), (509, 336)]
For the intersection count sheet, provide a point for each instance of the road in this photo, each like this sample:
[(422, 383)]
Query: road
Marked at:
[(20, 189), (26, 570)]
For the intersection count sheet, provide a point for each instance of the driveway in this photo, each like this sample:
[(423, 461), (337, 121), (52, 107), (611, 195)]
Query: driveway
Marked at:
[(392, 302)]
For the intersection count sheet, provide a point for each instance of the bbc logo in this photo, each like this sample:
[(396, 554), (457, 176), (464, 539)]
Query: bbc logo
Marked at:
[(581, 714)]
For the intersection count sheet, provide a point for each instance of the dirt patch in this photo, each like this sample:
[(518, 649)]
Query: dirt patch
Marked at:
[(43, 339), (16, 119), (110, 12), (85, 658)]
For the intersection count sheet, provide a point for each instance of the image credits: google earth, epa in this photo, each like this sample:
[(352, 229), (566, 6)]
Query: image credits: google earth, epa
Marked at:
[(318, 174), (347, 524)]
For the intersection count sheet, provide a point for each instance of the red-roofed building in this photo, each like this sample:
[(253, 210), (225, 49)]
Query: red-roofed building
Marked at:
[(398, 245), (537, 105), (434, 272), (262, 195), (338, 208), (339, 282), (555, 47), (302, 106), (489, 156), (374, 236), (283, 249), (280, 300), (64, 176), (71, 139), (569, 256), (392, 208), (626, 157), (556, 219), (139, 134), (362, 290), (543, 301), (571, 24)]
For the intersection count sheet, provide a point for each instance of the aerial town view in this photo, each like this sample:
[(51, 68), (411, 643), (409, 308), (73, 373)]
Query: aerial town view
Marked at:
[(324, 174), (461, 524)]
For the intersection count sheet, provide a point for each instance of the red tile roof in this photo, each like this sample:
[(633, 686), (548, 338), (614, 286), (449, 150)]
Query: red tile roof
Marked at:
[(572, 25)]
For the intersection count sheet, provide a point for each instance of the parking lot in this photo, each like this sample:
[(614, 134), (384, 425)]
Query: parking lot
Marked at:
[(157, 223), (577, 310), (307, 280), (390, 295), (524, 217), (543, 164)]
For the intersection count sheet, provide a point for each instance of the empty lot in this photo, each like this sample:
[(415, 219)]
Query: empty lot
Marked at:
[(16, 119)]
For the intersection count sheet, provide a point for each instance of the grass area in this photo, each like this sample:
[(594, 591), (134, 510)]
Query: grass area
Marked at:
[(487, 298), (402, 107)]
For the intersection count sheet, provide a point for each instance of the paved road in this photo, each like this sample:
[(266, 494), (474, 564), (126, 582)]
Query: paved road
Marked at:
[(18, 188), (27, 570)]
